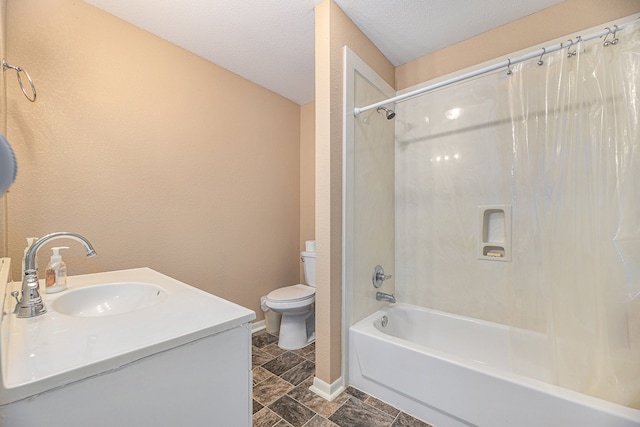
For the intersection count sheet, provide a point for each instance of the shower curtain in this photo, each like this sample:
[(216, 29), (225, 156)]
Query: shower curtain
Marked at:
[(575, 191)]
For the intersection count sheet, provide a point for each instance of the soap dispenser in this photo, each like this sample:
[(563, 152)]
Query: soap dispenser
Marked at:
[(56, 273)]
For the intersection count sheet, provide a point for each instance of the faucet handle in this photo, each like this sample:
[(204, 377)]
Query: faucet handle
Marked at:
[(15, 295), (379, 276)]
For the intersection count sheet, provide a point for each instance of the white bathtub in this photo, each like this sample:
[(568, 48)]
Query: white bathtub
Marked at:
[(454, 371)]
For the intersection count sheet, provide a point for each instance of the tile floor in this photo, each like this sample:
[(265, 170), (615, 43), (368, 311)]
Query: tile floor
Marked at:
[(281, 395)]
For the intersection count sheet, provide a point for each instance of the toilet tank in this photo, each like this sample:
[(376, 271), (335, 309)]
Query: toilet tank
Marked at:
[(309, 261)]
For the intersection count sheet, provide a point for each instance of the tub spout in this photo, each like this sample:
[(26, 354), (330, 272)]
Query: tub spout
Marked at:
[(381, 296), (31, 304)]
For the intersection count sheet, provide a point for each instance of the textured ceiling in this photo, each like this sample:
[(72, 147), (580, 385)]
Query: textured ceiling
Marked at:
[(271, 42)]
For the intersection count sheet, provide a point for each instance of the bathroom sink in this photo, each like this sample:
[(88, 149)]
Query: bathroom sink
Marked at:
[(108, 299), (115, 343)]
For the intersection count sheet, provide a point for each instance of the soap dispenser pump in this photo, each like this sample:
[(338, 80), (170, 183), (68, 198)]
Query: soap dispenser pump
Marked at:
[(56, 273)]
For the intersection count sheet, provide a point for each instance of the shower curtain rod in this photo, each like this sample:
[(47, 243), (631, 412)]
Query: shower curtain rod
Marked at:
[(508, 63)]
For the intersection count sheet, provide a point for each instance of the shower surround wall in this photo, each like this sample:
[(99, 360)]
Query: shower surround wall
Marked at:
[(369, 199), (450, 160)]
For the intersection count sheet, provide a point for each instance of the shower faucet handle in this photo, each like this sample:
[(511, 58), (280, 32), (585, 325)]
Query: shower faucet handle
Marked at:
[(379, 276)]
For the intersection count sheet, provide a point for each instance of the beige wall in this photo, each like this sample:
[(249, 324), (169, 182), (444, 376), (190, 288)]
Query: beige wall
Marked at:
[(564, 18), (333, 31), (160, 158), (3, 124), (307, 176)]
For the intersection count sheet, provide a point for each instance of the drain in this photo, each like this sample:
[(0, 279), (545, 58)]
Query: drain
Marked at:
[(385, 320)]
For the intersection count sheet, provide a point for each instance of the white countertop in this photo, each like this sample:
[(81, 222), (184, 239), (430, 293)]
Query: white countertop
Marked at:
[(51, 350)]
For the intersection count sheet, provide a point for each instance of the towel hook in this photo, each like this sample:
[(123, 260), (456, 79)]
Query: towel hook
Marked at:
[(540, 61), (19, 70)]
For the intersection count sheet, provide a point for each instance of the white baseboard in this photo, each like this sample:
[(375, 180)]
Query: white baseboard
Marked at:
[(327, 391), (257, 326)]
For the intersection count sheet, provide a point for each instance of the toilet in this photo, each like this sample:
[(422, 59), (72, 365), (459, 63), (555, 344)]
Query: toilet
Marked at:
[(296, 304)]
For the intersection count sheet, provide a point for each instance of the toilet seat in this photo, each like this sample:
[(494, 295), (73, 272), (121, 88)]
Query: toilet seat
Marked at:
[(290, 294)]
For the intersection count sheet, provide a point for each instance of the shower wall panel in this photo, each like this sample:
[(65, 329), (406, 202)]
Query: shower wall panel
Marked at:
[(368, 192), (373, 200), (452, 156)]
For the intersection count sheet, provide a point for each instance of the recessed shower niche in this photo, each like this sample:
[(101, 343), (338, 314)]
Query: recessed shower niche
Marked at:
[(494, 232)]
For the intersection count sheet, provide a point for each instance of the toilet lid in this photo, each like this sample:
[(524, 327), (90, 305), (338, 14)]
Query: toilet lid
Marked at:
[(292, 293)]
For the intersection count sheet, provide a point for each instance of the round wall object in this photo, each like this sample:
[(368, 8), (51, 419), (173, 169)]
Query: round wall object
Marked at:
[(8, 165)]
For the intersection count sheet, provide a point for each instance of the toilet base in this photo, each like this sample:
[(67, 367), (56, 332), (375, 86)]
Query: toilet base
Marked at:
[(296, 331)]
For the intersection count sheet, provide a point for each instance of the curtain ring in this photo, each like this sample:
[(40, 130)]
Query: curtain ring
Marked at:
[(540, 61), (606, 42), (578, 41), (615, 39), (569, 53), (509, 67)]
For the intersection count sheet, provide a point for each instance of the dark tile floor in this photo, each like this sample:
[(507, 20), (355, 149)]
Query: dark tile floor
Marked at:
[(281, 395)]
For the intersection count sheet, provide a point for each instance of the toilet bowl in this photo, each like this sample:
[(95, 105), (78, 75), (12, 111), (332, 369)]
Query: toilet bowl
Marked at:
[(296, 303)]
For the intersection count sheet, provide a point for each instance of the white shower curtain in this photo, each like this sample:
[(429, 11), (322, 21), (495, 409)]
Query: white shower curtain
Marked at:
[(575, 189)]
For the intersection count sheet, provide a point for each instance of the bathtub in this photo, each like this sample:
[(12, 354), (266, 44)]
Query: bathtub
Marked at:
[(455, 371)]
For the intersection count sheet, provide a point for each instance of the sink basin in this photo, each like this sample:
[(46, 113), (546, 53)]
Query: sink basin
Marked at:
[(108, 299)]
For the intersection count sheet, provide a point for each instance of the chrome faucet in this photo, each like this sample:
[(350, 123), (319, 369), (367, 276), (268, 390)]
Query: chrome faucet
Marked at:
[(381, 296), (31, 304)]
